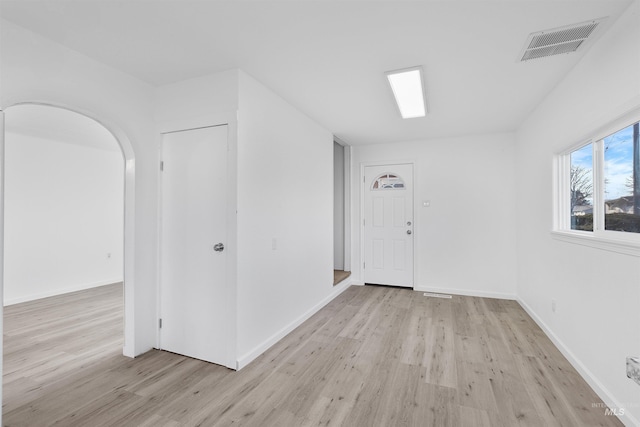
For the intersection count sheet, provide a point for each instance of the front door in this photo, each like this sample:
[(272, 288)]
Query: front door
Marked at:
[(388, 225), (193, 294)]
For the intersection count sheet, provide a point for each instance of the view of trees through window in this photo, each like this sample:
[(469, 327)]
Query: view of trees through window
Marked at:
[(621, 178), (581, 187)]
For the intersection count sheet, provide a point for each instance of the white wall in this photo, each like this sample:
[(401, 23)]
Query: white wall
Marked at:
[(63, 215), (36, 69), (465, 241), (285, 196), (597, 292), (200, 98)]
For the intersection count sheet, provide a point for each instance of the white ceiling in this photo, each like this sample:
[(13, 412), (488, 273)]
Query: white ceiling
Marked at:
[(60, 125), (328, 58)]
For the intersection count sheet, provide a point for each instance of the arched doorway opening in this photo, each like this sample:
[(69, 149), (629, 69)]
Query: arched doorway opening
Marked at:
[(125, 151)]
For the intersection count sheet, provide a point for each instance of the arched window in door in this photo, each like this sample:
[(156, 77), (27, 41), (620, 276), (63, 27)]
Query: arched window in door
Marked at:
[(387, 181)]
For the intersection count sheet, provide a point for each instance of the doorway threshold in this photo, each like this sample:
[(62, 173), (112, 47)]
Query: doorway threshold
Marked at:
[(339, 276)]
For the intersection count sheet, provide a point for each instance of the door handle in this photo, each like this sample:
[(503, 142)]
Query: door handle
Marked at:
[(408, 231), (218, 247)]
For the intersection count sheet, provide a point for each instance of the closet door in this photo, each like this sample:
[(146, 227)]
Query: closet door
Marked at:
[(193, 303)]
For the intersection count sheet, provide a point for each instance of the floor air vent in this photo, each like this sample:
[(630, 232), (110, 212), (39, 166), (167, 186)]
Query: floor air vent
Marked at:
[(434, 295), (557, 41)]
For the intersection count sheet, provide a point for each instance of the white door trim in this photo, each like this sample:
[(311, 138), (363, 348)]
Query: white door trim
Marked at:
[(221, 119), (363, 166)]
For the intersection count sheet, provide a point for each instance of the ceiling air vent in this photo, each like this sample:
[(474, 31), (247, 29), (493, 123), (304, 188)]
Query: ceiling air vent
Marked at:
[(558, 40)]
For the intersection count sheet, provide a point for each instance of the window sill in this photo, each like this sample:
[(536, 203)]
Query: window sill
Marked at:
[(621, 246)]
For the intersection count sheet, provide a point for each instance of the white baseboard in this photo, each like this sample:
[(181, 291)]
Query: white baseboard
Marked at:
[(608, 399), (264, 346), (61, 291), (465, 292)]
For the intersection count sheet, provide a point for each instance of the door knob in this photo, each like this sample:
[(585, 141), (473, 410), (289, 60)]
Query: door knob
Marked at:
[(218, 247), (408, 231)]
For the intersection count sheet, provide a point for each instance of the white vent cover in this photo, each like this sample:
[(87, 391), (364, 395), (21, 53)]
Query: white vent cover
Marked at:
[(434, 295), (558, 40)]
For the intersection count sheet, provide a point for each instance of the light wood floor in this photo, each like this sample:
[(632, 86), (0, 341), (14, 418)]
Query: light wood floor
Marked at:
[(339, 276), (374, 356)]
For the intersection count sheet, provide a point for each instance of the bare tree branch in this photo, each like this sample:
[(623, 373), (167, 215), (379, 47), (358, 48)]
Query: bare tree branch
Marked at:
[(581, 186)]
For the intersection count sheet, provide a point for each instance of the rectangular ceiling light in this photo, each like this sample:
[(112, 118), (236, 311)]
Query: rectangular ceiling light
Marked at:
[(408, 89)]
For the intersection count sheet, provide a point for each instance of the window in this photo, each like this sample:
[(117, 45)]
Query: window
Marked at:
[(387, 181), (581, 188), (598, 197), (621, 183)]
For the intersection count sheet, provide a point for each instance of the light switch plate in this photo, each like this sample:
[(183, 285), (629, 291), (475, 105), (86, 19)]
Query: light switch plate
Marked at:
[(633, 368)]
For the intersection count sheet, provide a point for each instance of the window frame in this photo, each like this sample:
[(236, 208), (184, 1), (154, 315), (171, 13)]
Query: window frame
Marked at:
[(615, 241)]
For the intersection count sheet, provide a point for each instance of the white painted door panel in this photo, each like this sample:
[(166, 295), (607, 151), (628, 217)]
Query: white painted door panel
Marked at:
[(388, 225), (193, 275)]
